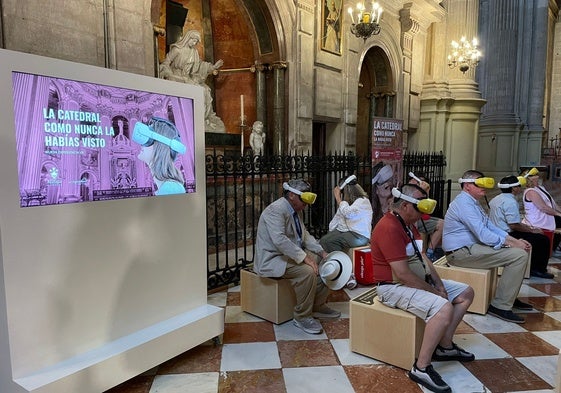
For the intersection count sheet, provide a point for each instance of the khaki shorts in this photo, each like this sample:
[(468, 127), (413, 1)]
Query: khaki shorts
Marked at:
[(417, 301)]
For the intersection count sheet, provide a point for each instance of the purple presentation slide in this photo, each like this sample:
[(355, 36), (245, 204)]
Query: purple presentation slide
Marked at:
[(80, 141)]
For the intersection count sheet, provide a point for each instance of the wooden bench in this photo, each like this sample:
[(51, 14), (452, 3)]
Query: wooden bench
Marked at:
[(483, 282), (387, 334), (271, 299)]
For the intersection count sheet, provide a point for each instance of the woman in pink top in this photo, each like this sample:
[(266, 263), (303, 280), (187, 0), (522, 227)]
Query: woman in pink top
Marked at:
[(541, 211)]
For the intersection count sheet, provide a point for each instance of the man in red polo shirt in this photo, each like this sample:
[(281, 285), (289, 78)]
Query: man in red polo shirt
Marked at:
[(407, 280)]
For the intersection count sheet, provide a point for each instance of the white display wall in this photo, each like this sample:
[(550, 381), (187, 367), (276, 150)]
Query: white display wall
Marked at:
[(92, 294)]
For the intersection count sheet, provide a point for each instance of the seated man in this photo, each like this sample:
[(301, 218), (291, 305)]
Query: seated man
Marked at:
[(505, 213), (432, 226), (284, 248), (470, 239), (408, 281)]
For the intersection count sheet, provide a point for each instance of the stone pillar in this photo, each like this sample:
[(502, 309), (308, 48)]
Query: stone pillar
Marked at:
[(261, 95), (515, 60), (279, 133), (409, 28), (450, 101), (534, 70)]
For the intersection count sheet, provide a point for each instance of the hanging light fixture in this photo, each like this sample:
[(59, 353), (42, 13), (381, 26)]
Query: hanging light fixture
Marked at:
[(368, 20), (464, 54)]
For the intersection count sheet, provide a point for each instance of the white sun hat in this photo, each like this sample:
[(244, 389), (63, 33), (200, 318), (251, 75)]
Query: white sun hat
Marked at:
[(336, 270)]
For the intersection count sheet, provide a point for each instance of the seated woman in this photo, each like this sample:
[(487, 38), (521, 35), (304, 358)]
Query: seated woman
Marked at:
[(540, 209), (352, 224)]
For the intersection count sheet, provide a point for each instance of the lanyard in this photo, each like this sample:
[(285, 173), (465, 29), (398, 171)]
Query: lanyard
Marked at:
[(414, 243)]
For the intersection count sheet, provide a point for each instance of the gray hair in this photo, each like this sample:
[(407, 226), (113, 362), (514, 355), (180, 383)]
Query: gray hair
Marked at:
[(297, 184), (408, 189)]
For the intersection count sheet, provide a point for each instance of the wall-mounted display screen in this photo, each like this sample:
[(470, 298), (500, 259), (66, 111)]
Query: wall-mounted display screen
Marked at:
[(79, 141)]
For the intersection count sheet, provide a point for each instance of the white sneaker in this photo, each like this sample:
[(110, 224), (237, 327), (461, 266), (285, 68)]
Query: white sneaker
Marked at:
[(351, 284), (309, 325)]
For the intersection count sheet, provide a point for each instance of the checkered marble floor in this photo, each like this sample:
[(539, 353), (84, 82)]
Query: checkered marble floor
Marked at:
[(256, 356)]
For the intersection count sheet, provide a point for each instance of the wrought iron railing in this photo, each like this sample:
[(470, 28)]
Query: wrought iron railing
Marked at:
[(239, 188)]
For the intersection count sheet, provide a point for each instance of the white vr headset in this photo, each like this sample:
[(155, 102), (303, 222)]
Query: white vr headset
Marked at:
[(507, 185), (425, 205), (423, 184), (348, 180), (145, 136)]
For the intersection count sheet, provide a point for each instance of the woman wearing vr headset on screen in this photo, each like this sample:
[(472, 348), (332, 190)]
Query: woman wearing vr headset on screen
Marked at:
[(160, 147), (351, 225)]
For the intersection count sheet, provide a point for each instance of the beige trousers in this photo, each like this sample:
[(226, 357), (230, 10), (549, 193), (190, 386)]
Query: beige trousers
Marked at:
[(513, 261), (310, 290)]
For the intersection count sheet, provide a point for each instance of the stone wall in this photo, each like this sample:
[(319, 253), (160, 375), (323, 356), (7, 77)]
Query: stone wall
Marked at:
[(113, 34)]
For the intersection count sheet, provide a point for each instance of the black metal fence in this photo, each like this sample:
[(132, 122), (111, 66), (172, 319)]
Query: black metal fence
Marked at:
[(239, 188)]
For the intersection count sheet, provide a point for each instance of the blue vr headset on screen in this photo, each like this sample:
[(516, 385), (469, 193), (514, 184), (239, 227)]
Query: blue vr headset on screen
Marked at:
[(145, 136)]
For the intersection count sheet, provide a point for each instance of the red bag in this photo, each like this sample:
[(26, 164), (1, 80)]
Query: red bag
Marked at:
[(363, 267)]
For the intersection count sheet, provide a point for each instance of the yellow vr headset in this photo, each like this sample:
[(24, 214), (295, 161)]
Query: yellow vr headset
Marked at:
[(531, 172), (481, 182), (305, 196), (425, 205)]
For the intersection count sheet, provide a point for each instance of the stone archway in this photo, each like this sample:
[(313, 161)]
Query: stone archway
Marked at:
[(376, 96), (245, 35)]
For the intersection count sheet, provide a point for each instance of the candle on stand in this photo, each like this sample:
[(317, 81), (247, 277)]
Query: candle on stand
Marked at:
[(242, 122), (241, 107)]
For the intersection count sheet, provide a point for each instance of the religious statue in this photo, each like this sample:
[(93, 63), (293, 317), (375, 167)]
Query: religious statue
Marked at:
[(257, 138), (183, 64)]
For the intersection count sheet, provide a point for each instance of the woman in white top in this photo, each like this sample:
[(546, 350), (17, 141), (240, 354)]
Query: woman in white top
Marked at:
[(352, 224), (540, 210)]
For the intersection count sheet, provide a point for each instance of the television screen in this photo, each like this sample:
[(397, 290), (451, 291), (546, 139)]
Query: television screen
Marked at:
[(80, 141)]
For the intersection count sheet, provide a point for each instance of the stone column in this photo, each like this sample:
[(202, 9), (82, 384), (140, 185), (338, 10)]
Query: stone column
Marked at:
[(279, 134), (533, 69), (261, 94), (512, 80), (409, 28), (450, 101)]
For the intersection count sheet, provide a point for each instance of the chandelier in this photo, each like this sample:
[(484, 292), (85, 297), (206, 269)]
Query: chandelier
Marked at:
[(464, 54), (368, 20)]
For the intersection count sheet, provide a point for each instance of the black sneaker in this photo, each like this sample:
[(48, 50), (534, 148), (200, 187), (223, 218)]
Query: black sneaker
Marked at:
[(455, 353), (536, 273), (506, 315), (429, 378), (521, 305)]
